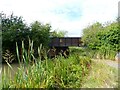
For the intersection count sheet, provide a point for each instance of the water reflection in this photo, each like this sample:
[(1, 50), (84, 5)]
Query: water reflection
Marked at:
[(10, 72)]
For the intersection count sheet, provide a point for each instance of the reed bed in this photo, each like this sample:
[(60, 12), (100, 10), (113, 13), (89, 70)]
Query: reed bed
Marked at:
[(48, 73)]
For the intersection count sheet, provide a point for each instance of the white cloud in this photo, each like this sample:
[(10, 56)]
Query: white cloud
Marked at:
[(101, 10), (62, 13)]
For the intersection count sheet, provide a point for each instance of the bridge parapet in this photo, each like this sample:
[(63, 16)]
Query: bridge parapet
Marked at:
[(65, 41)]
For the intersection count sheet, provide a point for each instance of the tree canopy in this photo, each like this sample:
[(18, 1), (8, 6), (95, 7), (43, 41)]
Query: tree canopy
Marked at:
[(104, 38), (40, 33), (14, 29), (56, 33)]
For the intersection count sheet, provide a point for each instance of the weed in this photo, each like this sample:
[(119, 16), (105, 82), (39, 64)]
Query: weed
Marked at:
[(47, 73)]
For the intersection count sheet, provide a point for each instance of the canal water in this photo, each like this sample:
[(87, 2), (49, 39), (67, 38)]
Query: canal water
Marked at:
[(10, 71)]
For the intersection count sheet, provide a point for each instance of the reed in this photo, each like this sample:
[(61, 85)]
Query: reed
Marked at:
[(48, 73)]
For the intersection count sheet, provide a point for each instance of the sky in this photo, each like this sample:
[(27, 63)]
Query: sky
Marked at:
[(68, 15)]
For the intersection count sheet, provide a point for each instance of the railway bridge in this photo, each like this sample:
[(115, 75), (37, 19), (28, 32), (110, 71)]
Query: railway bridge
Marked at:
[(61, 45)]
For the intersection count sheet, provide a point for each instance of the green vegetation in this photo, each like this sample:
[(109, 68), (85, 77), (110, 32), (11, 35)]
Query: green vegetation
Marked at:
[(40, 33), (58, 33), (14, 29), (101, 76), (102, 40), (56, 73)]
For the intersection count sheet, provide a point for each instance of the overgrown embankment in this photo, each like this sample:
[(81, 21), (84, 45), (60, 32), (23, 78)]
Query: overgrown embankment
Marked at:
[(57, 73), (102, 40), (49, 73), (101, 76)]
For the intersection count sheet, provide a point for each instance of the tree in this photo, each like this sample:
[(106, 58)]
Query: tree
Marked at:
[(13, 30), (90, 35), (40, 33), (112, 33), (104, 39), (58, 33)]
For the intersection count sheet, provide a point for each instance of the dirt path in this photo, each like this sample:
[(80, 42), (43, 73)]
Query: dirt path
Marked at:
[(111, 63)]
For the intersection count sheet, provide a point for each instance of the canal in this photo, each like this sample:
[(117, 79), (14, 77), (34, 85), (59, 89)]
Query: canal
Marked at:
[(10, 71)]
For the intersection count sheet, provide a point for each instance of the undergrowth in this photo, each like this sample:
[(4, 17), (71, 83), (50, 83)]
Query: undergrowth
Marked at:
[(101, 76), (49, 73)]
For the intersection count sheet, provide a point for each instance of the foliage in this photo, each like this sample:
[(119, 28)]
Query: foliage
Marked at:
[(14, 29), (101, 76), (8, 56), (40, 33), (58, 33), (26, 55), (57, 73), (90, 35), (102, 38)]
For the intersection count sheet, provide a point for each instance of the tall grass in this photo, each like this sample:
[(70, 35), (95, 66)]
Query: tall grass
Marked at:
[(58, 73), (49, 73), (101, 76), (100, 54)]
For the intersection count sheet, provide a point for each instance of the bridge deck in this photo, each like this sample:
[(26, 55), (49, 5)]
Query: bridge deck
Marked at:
[(65, 41)]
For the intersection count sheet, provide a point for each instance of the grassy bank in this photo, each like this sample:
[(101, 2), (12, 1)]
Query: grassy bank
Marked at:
[(76, 71), (56, 73), (96, 54), (101, 76)]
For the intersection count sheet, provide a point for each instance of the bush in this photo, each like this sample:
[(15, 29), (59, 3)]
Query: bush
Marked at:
[(14, 29), (103, 40)]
